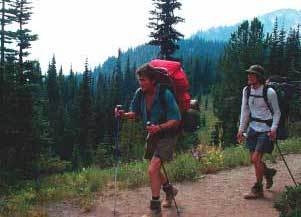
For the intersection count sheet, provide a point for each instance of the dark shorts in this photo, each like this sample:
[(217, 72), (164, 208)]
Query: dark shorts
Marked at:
[(162, 148), (259, 141)]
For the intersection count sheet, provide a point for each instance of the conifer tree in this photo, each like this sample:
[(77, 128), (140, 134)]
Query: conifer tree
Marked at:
[(71, 113), (53, 101), (117, 81), (24, 36), (100, 107), (293, 53), (85, 117), (162, 23), (7, 36)]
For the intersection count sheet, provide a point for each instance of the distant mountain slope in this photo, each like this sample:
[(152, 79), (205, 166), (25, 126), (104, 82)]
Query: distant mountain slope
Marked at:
[(208, 43), (287, 18), (188, 48)]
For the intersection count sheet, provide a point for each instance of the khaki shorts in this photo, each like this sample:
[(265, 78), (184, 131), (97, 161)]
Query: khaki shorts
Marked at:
[(161, 148)]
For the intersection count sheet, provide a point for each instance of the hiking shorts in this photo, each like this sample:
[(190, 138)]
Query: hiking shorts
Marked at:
[(162, 148), (259, 141)]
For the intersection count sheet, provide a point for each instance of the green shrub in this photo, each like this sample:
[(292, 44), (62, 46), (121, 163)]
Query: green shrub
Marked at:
[(236, 156), (133, 174), (184, 167), (289, 202), (212, 161)]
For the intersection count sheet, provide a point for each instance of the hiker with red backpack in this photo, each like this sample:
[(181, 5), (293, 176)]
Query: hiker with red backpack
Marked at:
[(157, 105), (260, 113)]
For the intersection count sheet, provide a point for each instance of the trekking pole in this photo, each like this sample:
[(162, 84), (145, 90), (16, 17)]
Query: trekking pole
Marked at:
[(165, 174), (282, 156), (117, 154)]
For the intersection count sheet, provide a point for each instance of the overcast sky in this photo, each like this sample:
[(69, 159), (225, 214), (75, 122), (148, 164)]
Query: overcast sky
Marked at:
[(74, 30)]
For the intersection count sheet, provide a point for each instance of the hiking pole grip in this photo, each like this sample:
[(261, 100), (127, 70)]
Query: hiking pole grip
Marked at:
[(289, 171)]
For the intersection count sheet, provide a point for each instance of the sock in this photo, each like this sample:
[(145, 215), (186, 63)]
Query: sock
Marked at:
[(155, 198)]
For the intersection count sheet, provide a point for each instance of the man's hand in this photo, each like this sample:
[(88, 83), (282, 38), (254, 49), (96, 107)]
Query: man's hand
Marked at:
[(118, 112), (153, 129), (240, 136), (272, 134)]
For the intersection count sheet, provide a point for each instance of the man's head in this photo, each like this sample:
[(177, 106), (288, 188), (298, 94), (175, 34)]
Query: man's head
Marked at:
[(146, 75), (255, 75), (147, 71)]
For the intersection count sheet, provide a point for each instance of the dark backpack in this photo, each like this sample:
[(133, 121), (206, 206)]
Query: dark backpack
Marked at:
[(284, 93)]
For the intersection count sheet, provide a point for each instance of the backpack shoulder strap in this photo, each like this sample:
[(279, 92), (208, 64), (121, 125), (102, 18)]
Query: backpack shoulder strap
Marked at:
[(265, 97), (248, 89), (162, 100), (139, 99)]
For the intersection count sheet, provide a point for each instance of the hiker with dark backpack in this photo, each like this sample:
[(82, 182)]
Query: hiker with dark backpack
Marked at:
[(262, 119), (165, 119)]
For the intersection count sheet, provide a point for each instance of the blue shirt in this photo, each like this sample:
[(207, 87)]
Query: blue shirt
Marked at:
[(158, 113)]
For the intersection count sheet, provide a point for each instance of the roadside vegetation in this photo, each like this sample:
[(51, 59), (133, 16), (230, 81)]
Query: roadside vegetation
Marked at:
[(82, 187)]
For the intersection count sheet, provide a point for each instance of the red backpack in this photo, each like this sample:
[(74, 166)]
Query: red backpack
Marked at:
[(176, 80)]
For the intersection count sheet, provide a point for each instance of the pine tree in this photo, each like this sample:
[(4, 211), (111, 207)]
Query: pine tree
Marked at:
[(162, 23), (24, 36), (7, 36), (86, 126), (53, 101), (293, 53), (71, 114), (130, 83), (100, 107), (117, 81)]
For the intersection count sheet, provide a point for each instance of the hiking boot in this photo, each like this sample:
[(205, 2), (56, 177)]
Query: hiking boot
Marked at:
[(256, 192), (155, 209), (171, 192), (269, 173)]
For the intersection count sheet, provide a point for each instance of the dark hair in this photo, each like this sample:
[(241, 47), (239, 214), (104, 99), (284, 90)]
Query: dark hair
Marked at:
[(148, 71)]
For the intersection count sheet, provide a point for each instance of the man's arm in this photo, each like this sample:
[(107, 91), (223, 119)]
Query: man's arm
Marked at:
[(244, 115), (245, 111), (273, 101)]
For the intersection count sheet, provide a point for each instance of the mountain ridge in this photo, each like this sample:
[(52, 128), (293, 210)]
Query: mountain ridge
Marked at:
[(287, 18)]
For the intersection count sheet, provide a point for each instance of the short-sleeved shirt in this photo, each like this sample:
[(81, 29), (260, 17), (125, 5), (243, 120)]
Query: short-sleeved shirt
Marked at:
[(158, 114)]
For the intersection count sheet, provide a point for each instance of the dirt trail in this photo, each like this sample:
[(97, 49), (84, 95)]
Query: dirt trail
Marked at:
[(215, 195)]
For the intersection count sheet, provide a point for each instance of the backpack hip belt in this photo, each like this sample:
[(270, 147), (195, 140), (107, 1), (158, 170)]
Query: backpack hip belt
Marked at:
[(269, 122)]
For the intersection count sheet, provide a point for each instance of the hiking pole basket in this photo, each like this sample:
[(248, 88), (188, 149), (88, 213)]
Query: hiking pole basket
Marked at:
[(282, 156)]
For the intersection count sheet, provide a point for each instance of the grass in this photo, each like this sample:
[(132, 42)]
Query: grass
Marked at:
[(28, 199)]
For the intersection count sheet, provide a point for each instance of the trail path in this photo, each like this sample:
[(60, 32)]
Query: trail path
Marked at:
[(215, 195)]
